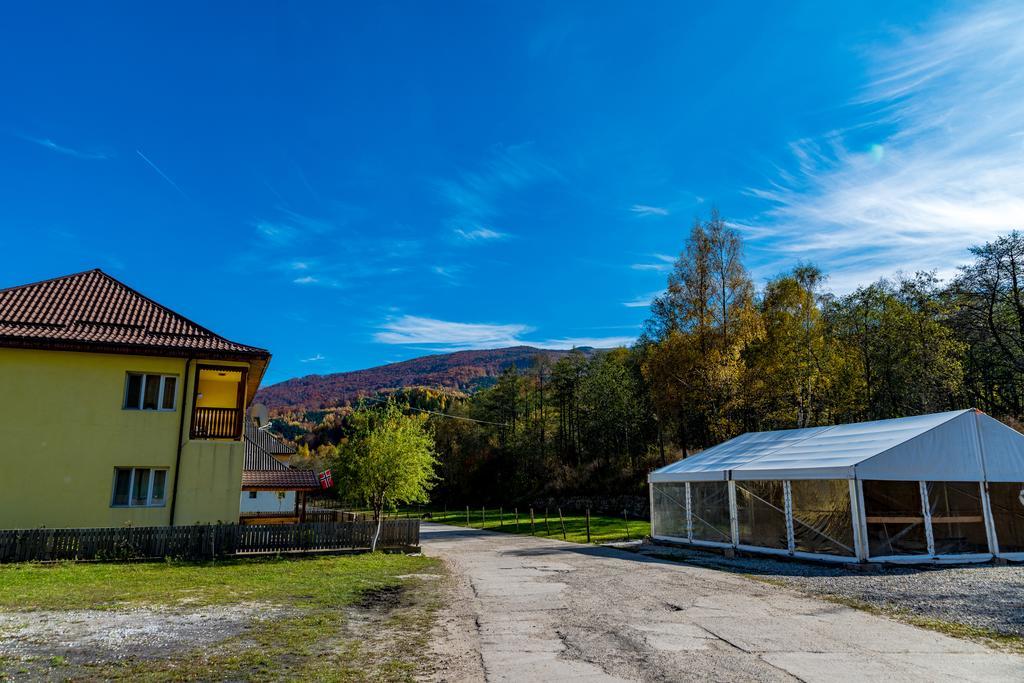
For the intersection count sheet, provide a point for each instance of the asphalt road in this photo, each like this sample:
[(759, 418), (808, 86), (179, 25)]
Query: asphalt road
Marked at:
[(532, 609)]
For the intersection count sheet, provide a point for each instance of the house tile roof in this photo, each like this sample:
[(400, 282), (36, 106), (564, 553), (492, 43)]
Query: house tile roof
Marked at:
[(263, 471), (266, 441), (92, 311)]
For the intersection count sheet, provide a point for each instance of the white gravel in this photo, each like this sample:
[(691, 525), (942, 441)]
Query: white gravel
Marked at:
[(110, 635), (982, 596)]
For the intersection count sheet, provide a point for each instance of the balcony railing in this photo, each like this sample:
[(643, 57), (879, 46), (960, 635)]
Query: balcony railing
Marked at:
[(216, 423)]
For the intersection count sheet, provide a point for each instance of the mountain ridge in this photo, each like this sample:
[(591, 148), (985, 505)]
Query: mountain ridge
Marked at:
[(458, 370)]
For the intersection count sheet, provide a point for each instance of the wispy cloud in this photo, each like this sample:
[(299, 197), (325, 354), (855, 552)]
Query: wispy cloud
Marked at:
[(69, 151), (477, 197), (410, 329), (663, 263), (937, 165), (480, 234), (163, 175), (646, 210), (312, 359), (421, 331), (642, 301)]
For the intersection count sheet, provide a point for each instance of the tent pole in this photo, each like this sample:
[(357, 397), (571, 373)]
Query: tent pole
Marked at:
[(734, 521), (990, 522), (860, 520), (787, 495), (689, 515), (926, 510), (650, 491)]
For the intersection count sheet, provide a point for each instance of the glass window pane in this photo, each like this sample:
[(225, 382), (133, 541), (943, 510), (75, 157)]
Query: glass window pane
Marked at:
[(168, 400), (958, 523), (822, 518), (709, 504), (122, 483), (151, 392), (894, 518), (1007, 499), (669, 513), (140, 492), (761, 514), (133, 391), (159, 481)]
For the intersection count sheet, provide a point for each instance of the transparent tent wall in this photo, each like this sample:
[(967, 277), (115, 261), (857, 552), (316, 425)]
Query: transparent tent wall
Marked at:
[(668, 514), (761, 514), (895, 518), (1007, 502), (957, 517), (822, 517), (709, 511)]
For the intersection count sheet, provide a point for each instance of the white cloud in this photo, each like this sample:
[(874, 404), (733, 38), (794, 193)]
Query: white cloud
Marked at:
[(658, 267), (313, 359), (306, 280), (645, 210), (63, 149), (938, 164), (410, 329), (642, 301), (480, 234)]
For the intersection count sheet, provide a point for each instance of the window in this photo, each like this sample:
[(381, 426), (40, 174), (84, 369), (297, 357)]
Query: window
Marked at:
[(822, 518), (669, 513), (1007, 500), (709, 511), (149, 392), (895, 518), (958, 523), (139, 487), (761, 514), (253, 494)]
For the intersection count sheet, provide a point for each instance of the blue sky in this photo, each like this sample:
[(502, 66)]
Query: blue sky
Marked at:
[(349, 184)]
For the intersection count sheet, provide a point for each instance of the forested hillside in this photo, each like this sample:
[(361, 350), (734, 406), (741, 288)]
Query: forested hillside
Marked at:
[(719, 357), (462, 371)]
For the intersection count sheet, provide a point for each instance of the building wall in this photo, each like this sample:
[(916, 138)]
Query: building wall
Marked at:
[(268, 501), (63, 431)]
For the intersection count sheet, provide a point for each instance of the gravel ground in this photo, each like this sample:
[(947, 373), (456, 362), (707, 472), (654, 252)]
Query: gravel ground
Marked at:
[(110, 635), (980, 596)]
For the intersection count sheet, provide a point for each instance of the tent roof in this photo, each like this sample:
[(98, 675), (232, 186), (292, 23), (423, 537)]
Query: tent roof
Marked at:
[(938, 447)]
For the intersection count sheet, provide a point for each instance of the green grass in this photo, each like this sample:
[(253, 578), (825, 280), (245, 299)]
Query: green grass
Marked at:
[(603, 529), (312, 581), (314, 638)]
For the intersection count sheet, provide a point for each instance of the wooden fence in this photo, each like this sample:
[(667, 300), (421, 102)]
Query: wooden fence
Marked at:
[(201, 542)]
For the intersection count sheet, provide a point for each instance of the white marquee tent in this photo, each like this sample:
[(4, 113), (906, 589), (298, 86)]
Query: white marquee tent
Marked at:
[(941, 487)]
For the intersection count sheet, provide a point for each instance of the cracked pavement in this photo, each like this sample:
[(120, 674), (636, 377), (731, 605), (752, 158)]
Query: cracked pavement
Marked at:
[(538, 609)]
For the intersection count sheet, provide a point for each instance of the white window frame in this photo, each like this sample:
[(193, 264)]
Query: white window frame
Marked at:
[(142, 393), (131, 488)]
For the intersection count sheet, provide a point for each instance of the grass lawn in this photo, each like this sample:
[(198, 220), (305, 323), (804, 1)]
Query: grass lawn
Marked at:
[(603, 529), (345, 618)]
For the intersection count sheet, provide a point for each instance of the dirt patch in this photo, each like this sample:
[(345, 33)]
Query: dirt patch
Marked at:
[(381, 600), (112, 635)]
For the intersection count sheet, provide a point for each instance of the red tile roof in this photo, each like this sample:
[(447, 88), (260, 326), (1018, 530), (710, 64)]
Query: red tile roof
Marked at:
[(92, 311), (264, 471)]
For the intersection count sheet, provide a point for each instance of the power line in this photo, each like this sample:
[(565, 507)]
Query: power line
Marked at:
[(434, 412)]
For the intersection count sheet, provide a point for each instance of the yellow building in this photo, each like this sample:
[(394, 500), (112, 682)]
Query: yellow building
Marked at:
[(115, 410)]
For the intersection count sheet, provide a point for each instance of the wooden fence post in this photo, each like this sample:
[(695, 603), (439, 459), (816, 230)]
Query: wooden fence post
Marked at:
[(483, 517), (467, 516), (533, 528), (501, 517), (625, 516), (588, 525), (562, 522), (547, 527), (517, 520)]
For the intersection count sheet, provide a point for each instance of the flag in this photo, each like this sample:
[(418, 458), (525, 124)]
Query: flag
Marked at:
[(326, 481)]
